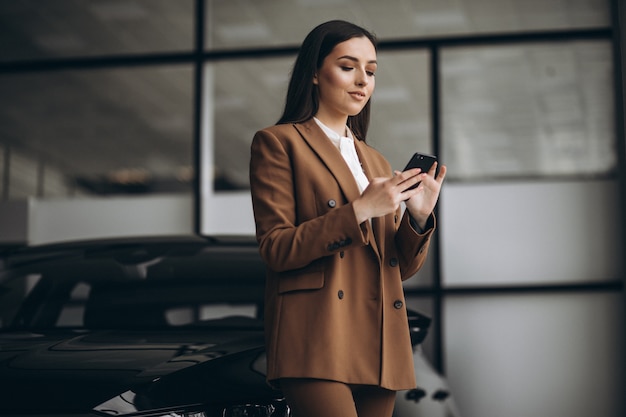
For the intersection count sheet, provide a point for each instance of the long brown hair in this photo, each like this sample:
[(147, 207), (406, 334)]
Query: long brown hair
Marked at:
[(302, 102)]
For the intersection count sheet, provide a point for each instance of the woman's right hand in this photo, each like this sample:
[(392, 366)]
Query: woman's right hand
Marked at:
[(384, 195)]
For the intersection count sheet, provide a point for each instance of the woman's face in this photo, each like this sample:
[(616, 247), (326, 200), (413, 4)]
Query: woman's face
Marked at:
[(346, 79)]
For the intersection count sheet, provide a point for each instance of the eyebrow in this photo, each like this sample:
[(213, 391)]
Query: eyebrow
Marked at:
[(351, 58)]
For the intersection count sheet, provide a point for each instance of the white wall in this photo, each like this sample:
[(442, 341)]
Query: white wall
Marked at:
[(535, 355), (228, 213), (50, 220), (553, 353), (36, 221), (525, 233)]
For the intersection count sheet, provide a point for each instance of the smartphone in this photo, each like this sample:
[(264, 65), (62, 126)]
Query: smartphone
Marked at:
[(420, 160)]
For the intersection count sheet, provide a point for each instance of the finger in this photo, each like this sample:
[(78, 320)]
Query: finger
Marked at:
[(433, 169), (408, 193), (408, 173), (402, 176), (442, 173), (413, 182)]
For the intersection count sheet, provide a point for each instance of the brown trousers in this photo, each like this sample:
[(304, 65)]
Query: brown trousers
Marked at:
[(321, 398)]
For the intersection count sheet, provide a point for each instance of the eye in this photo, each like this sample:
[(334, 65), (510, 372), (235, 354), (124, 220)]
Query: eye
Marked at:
[(347, 68), (371, 73)]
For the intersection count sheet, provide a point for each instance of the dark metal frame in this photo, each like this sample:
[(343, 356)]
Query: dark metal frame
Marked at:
[(618, 13)]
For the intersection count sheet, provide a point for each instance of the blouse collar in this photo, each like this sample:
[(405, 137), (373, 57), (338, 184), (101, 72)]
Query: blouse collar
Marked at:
[(332, 135)]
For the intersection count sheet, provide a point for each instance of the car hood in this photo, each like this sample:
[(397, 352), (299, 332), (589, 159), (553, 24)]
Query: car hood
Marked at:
[(73, 372)]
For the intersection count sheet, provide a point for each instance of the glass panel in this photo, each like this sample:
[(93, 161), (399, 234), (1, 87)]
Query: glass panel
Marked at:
[(558, 355), (256, 88), (400, 118), (106, 131), (250, 23), (37, 29), (537, 233), (526, 111), (71, 316), (244, 96)]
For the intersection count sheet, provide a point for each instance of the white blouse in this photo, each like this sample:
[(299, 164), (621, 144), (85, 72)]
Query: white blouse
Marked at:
[(345, 145)]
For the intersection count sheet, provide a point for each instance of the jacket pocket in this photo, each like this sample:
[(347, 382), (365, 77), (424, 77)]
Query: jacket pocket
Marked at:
[(309, 278)]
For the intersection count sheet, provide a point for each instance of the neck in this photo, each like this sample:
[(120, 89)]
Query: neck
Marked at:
[(337, 125)]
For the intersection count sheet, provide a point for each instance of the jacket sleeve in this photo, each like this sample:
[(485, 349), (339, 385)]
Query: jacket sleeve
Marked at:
[(286, 241), (413, 244)]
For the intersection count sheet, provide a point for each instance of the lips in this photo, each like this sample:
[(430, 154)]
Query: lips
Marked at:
[(358, 95)]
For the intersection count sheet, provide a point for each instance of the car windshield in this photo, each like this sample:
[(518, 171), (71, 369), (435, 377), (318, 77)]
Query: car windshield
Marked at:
[(133, 287)]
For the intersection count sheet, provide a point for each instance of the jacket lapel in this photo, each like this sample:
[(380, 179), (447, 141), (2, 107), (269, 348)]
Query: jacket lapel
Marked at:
[(371, 171), (328, 153)]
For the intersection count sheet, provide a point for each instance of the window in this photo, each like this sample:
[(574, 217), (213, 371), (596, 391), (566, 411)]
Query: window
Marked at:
[(533, 110)]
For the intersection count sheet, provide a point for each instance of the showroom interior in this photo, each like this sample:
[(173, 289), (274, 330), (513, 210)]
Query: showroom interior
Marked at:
[(135, 118)]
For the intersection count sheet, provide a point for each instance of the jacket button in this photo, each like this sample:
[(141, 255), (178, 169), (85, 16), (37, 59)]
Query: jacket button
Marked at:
[(332, 203), (393, 262), (397, 304), (340, 294)]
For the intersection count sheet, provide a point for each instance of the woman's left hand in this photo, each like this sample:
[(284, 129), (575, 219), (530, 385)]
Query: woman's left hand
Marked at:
[(422, 200)]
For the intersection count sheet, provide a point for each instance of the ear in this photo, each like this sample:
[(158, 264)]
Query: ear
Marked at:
[(315, 81)]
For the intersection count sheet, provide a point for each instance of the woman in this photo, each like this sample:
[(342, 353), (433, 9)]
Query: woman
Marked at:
[(330, 229)]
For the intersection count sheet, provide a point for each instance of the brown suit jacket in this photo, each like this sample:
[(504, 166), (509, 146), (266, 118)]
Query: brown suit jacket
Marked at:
[(335, 304)]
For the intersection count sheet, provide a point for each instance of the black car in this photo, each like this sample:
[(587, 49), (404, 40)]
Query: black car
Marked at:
[(149, 327)]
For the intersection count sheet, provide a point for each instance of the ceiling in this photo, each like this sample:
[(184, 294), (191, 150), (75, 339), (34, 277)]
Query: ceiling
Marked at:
[(117, 129)]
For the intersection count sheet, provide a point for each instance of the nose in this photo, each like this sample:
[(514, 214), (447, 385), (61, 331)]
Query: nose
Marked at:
[(361, 79)]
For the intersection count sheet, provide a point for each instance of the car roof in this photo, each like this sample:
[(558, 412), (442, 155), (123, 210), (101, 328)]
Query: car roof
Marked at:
[(132, 246)]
